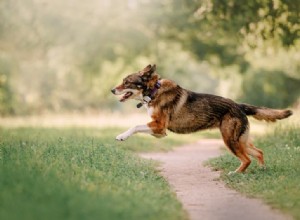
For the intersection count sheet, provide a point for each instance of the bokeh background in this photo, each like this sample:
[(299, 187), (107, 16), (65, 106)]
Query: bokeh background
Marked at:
[(64, 56)]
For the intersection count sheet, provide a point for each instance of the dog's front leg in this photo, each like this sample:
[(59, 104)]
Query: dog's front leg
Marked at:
[(137, 129)]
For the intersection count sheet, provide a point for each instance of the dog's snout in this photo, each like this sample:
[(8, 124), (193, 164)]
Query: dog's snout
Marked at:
[(113, 91)]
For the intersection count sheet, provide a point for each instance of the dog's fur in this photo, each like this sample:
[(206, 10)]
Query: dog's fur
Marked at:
[(183, 111)]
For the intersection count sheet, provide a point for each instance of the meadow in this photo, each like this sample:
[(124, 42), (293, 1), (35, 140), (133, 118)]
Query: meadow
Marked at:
[(278, 184), (81, 173)]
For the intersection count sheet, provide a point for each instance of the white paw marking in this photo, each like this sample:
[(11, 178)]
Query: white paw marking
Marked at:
[(231, 173), (123, 136)]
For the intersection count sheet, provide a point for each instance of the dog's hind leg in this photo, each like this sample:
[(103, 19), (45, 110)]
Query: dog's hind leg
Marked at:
[(245, 161), (235, 135), (255, 152)]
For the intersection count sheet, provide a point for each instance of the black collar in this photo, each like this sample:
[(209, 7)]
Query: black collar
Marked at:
[(149, 94)]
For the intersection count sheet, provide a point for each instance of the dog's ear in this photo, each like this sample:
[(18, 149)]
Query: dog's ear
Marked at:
[(150, 68), (147, 72)]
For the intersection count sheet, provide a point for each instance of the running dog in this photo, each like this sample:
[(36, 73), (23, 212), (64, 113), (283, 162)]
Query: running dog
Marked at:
[(182, 111)]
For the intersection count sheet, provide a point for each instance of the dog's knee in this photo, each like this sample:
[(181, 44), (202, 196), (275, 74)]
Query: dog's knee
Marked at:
[(158, 132)]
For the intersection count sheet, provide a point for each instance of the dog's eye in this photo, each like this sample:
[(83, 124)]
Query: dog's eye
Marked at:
[(126, 83), (139, 86)]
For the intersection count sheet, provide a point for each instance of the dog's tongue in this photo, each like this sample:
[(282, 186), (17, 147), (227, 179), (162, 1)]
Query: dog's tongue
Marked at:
[(126, 96)]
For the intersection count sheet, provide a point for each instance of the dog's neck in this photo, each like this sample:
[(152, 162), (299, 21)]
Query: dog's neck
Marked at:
[(154, 90), (149, 94)]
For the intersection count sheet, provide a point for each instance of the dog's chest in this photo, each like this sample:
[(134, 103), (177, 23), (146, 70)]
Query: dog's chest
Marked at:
[(150, 110)]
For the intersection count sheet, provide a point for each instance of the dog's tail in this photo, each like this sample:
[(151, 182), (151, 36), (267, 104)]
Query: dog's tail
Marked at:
[(267, 114)]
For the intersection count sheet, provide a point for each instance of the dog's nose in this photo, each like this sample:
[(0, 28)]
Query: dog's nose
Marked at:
[(113, 91)]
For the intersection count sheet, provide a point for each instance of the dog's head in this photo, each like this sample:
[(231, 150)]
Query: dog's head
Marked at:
[(135, 85)]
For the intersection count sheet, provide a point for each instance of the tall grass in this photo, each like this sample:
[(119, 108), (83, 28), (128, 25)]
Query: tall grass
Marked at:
[(79, 174), (279, 184)]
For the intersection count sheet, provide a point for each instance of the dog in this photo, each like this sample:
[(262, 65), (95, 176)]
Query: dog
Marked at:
[(179, 110)]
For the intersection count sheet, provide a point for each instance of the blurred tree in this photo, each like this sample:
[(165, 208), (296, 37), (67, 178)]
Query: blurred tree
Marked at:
[(271, 89), (264, 19), (6, 96), (222, 31), (67, 54)]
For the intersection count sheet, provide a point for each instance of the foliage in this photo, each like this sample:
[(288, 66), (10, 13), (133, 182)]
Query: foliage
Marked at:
[(78, 174), (271, 89), (278, 184), (224, 31), (260, 20), (66, 56), (6, 96)]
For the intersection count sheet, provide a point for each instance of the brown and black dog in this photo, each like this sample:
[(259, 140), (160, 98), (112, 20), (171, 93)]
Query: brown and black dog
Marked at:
[(182, 111)]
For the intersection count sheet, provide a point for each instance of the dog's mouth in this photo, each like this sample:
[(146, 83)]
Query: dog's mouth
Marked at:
[(126, 96)]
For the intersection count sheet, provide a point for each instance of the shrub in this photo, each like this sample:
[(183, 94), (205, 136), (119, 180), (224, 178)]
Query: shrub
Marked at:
[(270, 88)]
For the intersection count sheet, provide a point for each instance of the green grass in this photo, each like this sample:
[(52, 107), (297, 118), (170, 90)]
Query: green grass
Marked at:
[(279, 184), (73, 173)]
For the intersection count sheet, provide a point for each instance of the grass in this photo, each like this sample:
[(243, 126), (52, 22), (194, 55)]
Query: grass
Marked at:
[(73, 173), (279, 184)]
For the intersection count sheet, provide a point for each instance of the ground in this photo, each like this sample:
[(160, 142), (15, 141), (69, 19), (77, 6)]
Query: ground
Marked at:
[(198, 188)]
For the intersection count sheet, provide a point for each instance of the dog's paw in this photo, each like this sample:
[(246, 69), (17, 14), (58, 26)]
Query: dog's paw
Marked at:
[(263, 167), (231, 173), (122, 137)]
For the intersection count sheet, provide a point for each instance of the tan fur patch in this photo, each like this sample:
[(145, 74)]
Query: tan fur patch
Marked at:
[(271, 114)]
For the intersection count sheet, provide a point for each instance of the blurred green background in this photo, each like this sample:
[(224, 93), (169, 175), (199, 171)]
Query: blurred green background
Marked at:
[(65, 56)]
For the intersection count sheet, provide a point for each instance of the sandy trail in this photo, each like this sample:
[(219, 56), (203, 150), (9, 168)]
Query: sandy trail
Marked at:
[(197, 187)]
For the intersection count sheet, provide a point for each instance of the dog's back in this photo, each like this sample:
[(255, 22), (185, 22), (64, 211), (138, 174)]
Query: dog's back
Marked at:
[(188, 111)]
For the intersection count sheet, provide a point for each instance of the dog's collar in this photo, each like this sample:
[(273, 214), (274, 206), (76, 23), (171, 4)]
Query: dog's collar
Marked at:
[(155, 89), (149, 95)]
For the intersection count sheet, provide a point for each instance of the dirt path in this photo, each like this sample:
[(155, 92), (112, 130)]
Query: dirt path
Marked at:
[(197, 187)]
